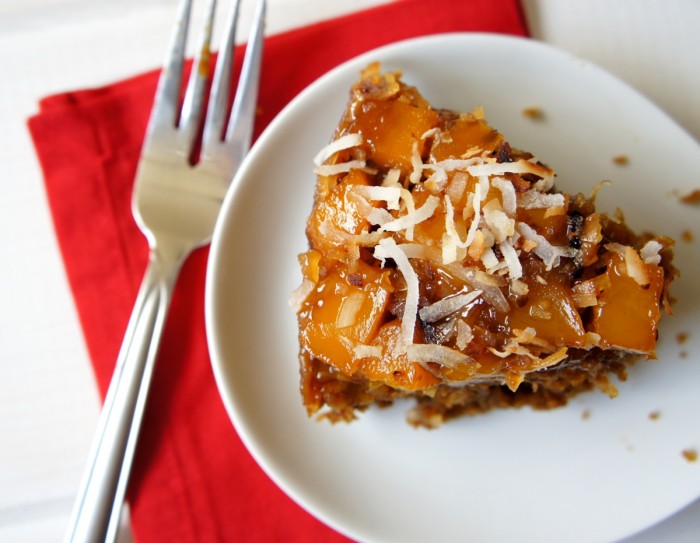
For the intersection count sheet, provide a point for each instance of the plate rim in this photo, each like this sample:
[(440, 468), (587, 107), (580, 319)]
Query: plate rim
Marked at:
[(216, 356)]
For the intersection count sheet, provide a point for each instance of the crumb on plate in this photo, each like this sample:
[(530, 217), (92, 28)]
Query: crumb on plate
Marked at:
[(691, 455), (692, 197), (535, 113)]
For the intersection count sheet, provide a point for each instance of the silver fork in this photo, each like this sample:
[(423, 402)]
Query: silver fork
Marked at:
[(175, 204)]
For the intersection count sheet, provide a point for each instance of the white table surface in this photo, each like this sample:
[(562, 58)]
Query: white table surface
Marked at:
[(48, 399)]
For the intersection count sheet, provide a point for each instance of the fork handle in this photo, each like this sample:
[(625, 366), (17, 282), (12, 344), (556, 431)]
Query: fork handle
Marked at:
[(98, 506)]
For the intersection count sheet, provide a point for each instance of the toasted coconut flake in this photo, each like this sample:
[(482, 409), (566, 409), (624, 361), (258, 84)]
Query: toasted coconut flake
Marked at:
[(515, 269), (479, 246), (451, 240), (534, 199), (414, 217), (300, 294), (457, 186), (479, 280), (519, 167), (616, 248), (550, 254), (364, 238), (436, 182), (343, 167), (512, 348), (554, 212), (554, 358), (528, 245), (592, 340), (392, 179), (585, 294), (465, 335), (636, 268), (378, 216), (362, 350), (510, 201), (439, 354), (489, 259), (430, 133), (447, 306), (472, 151), (529, 336), (417, 164), (408, 322), (519, 287), (410, 208), (650, 252), (390, 195), (488, 279), (347, 141), (500, 224), (479, 193), (540, 312), (413, 250), (375, 215), (452, 164)]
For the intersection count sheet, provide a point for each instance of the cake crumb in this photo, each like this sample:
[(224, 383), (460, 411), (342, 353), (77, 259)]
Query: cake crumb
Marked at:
[(692, 197), (621, 160), (687, 236), (534, 113), (681, 337), (691, 455), (683, 354), (655, 415), (586, 414)]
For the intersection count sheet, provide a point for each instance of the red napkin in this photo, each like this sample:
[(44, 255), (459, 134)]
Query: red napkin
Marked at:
[(193, 479)]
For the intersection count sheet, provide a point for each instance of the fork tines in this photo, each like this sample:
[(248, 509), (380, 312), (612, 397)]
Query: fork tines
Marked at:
[(182, 127)]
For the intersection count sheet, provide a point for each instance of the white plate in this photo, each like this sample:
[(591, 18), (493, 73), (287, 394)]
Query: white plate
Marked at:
[(507, 475)]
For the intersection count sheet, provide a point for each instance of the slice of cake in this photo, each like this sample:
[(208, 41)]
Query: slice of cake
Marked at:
[(443, 266)]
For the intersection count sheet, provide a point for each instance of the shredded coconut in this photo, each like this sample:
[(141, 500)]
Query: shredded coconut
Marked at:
[(534, 199), (446, 306), (347, 141), (439, 354), (343, 167), (408, 322), (414, 217), (650, 252)]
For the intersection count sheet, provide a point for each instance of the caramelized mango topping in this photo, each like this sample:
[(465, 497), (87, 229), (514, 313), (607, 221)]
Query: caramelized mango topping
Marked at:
[(440, 256)]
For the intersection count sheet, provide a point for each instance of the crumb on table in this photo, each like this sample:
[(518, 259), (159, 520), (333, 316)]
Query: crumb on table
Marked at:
[(586, 414), (687, 236), (621, 160), (655, 415)]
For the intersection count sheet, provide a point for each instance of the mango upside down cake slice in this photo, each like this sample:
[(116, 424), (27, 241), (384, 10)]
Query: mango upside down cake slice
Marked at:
[(444, 266)]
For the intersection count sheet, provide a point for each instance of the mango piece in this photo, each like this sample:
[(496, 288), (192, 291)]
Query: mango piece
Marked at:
[(627, 313), (551, 311), (390, 129), (336, 211), (393, 368), (345, 309), (461, 135)]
